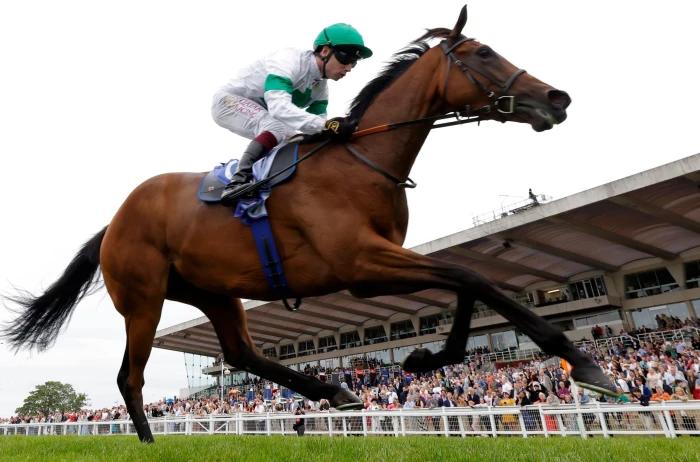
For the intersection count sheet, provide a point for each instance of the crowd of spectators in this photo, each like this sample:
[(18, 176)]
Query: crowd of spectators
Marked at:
[(644, 372)]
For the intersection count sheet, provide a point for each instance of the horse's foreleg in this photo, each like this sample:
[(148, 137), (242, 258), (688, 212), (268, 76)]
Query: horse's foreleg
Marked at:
[(386, 268), (424, 360), (228, 318), (239, 350)]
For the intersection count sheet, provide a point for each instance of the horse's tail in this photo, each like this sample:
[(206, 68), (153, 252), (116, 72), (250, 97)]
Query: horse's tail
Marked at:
[(40, 322)]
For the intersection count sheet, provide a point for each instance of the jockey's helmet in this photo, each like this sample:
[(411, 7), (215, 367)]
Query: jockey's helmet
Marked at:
[(343, 36)]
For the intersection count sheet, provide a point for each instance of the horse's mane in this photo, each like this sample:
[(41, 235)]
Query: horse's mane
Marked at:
[(401, 60)]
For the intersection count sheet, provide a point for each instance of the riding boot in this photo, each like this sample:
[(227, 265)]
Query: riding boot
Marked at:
[(244, 174)]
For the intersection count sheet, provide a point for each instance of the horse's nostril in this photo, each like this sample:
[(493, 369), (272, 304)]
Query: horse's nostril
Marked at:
[(559, 99)]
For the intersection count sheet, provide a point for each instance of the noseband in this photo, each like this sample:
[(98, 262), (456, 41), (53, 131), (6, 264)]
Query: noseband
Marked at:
[(503, 102)]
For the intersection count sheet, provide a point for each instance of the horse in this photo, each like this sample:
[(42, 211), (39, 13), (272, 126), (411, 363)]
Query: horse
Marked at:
[(340, 225)]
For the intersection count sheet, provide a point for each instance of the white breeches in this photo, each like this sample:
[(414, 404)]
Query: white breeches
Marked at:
[(247, 118)]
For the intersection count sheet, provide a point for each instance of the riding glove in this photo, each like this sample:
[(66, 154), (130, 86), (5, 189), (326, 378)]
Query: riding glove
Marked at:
[(340, 128)]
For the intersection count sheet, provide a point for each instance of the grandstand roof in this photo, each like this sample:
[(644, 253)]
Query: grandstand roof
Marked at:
[(650, 215)]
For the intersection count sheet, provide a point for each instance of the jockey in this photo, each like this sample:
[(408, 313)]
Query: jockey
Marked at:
[(284, 94)]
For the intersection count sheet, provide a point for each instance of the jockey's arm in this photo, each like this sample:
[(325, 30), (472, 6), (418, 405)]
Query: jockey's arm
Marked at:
[(279, 104)]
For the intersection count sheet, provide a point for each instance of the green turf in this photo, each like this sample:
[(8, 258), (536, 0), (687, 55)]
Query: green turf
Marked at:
[(355, 449)]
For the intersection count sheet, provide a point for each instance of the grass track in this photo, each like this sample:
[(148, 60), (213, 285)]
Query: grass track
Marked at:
[(355, 449)]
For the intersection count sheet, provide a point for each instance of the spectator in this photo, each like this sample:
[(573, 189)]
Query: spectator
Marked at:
[(299, 425), (660, 395)]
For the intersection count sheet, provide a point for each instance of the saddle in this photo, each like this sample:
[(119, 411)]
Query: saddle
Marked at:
[(277, 166)]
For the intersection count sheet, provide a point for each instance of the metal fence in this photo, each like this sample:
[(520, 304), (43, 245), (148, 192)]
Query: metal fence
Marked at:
[(665, 419)]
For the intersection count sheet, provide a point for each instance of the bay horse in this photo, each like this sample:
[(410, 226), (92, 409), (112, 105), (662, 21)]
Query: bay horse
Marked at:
[(339, 224)]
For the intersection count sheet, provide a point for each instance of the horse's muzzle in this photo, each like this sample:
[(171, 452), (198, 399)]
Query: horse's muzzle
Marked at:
[(543, 114), (559, 99)]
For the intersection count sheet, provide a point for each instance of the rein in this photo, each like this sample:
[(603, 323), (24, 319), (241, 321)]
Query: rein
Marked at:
[(461, 117)]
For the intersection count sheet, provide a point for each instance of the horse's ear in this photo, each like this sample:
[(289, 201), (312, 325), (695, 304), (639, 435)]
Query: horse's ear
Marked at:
[(461, 21)]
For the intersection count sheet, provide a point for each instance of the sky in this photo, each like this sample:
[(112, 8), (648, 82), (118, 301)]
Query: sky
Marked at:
[(98, 96)]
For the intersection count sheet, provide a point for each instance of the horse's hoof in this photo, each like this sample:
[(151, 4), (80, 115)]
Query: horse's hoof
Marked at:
[(345, 400), (593, 378), (420, 360)]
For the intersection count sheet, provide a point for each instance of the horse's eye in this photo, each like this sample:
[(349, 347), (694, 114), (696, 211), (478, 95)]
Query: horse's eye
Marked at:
[(484, 52)]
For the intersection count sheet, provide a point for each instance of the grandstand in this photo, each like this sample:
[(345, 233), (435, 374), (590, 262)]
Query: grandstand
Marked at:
[(624, 256)]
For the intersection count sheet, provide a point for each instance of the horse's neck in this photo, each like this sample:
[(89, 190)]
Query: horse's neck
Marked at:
[(411, 96)]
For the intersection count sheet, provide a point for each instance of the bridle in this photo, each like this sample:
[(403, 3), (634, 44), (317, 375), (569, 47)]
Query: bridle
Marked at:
[(502, 103), (499, 103)]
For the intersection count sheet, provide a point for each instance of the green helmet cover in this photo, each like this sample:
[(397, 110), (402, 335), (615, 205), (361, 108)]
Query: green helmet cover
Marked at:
[(342, 35)]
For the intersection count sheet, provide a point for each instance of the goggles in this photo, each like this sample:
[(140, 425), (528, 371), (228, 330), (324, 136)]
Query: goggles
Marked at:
[(346, 57)]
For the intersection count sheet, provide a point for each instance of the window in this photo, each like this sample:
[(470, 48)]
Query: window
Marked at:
[(525, 299), (375, 334), (504, 340), (402, 329), (402, 352), (194, 364), (434, 346), (477, 343), (287, 351), (696, 306), (525, 342), (554, 295), (692, 274), (326, 344), (600, 319), (302, 367), (653, 318), (381, 357), (269, 352), (428, 324), (349, 340), (330, 363), (648, 283), (306, 347), (481, 310), (588, 288)]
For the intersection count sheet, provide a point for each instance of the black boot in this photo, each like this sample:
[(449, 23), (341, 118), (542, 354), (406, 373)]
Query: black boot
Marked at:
[(244, 174)]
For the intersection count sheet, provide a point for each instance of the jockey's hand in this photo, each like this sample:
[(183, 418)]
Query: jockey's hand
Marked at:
[(340, 128)]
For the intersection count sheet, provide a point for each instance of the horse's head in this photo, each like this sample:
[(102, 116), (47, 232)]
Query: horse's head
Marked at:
[(478, 78)]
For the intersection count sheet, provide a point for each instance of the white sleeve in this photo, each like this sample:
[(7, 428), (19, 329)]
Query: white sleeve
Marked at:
[(279, 104)]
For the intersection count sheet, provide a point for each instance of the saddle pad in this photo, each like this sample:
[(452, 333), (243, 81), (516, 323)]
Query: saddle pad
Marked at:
[(274, 162)]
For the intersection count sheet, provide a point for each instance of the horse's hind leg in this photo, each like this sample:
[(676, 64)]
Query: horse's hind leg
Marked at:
[(140, 332), (227, 316), (138, 296)]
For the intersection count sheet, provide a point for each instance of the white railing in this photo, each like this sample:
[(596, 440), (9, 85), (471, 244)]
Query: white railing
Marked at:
[(510, 209), (673, 335), (668, 419), (506, 355)]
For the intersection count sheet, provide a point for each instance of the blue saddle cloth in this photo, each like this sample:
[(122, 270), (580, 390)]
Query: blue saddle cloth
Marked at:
[(278, 165), (251, 209)]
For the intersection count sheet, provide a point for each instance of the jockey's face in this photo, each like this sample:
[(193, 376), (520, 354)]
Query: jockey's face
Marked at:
[(335, 70)]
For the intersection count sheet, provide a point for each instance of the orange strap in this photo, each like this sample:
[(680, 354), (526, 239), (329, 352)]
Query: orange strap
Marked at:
[(372, 130)]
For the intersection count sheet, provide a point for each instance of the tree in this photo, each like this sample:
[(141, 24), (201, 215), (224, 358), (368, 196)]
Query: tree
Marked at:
[(52, 397)]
